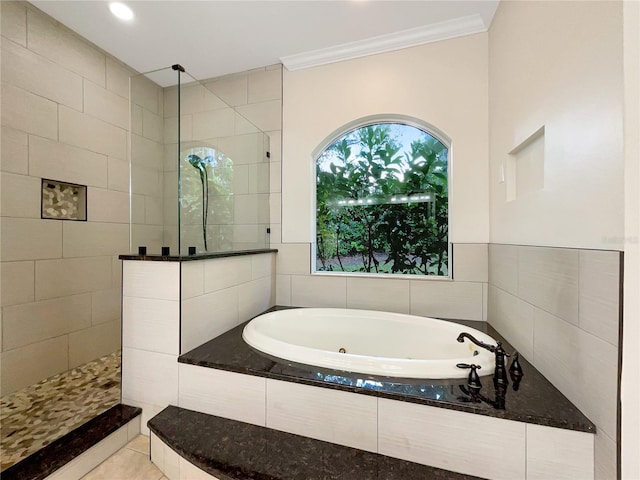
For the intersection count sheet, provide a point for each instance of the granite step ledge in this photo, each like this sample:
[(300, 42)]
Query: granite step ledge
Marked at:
[(186, 444), (79, 451)]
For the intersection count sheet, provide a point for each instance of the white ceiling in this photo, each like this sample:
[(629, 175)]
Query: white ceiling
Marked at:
[(213, 38)]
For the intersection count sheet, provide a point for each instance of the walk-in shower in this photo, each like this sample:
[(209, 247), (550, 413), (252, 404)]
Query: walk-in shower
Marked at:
[(199, 170)]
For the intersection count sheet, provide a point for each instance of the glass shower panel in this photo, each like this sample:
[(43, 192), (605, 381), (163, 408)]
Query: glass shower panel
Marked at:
[(199, 169), (223, 174), (149, 147)]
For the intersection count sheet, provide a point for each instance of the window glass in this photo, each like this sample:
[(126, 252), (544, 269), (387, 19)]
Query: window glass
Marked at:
[(382, 202)]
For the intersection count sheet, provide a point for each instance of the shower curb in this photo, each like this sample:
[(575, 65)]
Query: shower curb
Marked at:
[(69, 456)]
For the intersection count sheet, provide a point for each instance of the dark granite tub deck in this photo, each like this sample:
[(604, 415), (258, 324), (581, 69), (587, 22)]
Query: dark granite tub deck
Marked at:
[(537, 401)]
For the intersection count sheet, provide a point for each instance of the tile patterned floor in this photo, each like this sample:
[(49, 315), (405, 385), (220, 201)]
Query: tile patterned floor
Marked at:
[(129, 463), (36, 415)]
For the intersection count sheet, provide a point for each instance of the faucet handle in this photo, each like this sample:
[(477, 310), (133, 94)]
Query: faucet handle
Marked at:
[(473, 381), (515, 371)]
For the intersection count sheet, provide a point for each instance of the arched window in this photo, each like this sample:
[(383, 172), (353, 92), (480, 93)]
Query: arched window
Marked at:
[(382, 201)]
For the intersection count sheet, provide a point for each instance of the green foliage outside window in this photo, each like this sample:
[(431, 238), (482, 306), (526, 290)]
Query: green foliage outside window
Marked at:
[(382, 202)]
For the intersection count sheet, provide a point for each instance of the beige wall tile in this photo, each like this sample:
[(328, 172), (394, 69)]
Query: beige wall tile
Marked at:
[(232, 90), (28, 112), (30, 239), (14, 22), (94, 342), (503, 267), (513, 318), (265, 115), (137, 208), (558, 454), (580, 365), (239, 397), (283, 290), (152, 378), (136, 119), (275, 177), (197, 98), (36, 74), (87, 239), (54, 41), (57, 161), (199, 326), (106, 305), (431, 436), (15, 151), (117, 174), (118, 78), (106, 105), (328, 415), (21, 196), (145, 93), (146, 181), (254, 298), (91, 133), (18, 282), (470, 262), (159, 280), (80, 275), (152, 126), (600, 294), (151, 236), (225, 272), (116, 272), (443, 299), (243, 149), (264, 86), (38, 321), (605, 457), (263, 265), (548, 278), (147, 153), (292, 258), (151, 324), (386, 294), (215, 123), (318, 291), (275, 145), (243, 125), (246, 209), (107, 206), (153, 210), (46, 358), (191, 279)]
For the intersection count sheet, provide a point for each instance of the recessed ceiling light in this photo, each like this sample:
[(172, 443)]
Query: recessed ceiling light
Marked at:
[(121, 11)]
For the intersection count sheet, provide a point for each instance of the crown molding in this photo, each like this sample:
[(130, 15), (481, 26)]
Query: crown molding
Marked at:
[(434, 32)]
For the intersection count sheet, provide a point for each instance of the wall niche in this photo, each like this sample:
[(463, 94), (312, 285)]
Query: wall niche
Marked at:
[(63, 200)]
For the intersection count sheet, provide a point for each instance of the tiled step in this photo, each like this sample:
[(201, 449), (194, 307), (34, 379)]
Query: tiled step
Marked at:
[(79, 451), (187, 444)]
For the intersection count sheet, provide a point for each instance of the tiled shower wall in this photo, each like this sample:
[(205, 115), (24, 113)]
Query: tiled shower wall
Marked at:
[(64, 117), (257, 96), (560, 308)]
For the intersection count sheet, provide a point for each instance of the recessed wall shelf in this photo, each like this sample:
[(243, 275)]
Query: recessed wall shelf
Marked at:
[(525, 167), (63, 200)]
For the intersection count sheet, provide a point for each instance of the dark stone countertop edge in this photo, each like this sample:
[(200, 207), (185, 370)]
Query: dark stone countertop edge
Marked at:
[(198, 256), (502, 414), (576, 421), (58, 453)]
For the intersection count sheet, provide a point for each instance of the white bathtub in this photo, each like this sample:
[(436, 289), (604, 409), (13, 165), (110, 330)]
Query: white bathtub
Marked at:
[(376, 343)]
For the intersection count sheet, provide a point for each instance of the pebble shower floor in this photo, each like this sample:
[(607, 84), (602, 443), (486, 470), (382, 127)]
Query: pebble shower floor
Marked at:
[(33, 417)]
